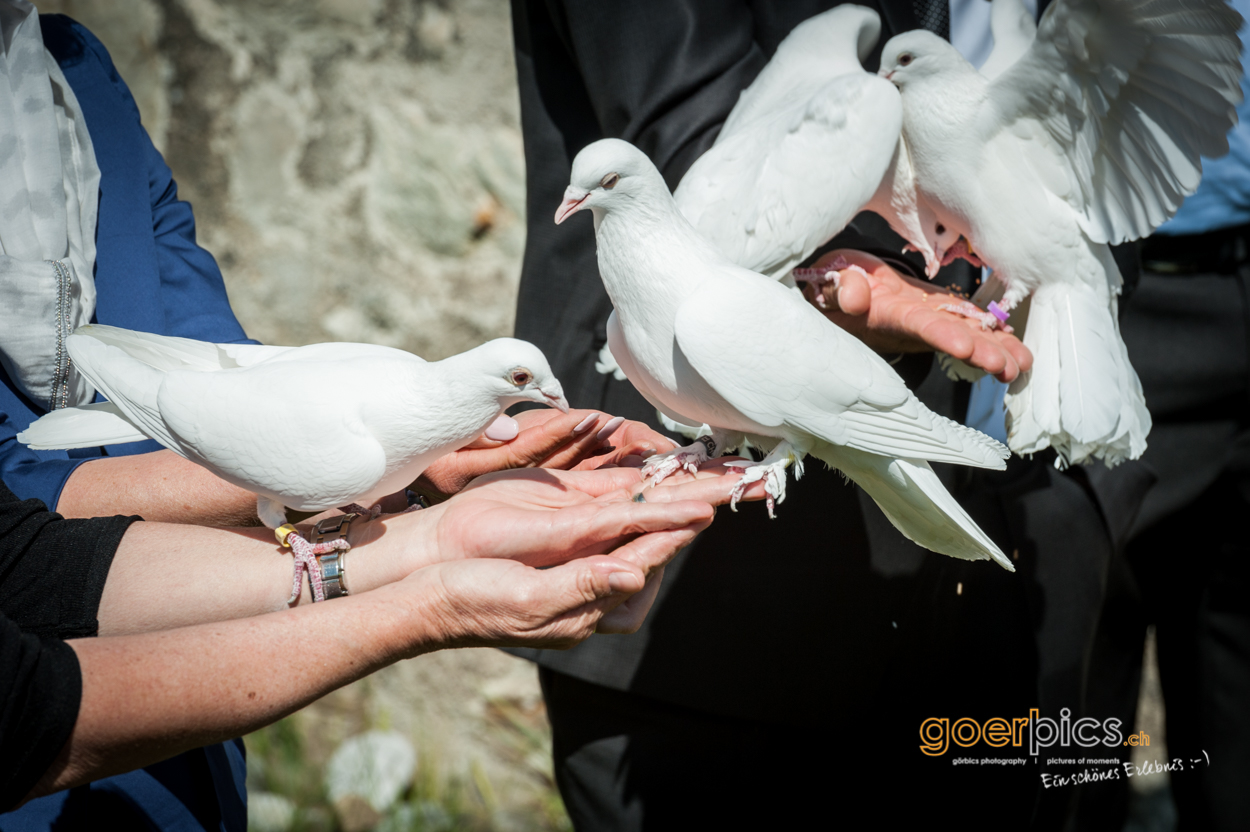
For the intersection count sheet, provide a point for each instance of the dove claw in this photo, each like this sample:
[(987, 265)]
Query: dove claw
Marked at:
[(688, 458), (774, 476), (968, 309)]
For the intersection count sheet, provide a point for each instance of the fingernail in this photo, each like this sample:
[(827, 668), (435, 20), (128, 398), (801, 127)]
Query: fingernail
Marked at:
[(623, 582), (610, 428), (503, 429), (647, 453), (585, 423)]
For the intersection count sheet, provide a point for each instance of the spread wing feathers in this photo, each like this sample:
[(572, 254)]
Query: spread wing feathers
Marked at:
[(1013, 29), (1082, 396), (769, 195), (87, 426), (1133, 92), (836, 390), (912, 498), (164, 352)]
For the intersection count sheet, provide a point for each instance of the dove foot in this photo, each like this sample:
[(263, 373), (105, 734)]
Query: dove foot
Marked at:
[(305, 554), (996, 317), (772, 470), (688, 457), (824, 275)]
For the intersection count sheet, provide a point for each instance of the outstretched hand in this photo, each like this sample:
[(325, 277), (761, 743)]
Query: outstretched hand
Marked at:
[(544, 517), (894, 313), (545, 439), (551, 517)]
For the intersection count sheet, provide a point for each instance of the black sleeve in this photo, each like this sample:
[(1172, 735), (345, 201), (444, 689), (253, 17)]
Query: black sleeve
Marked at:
[(40, 690), (52, 570)]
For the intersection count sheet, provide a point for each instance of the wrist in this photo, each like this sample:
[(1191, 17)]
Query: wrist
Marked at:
[(389, 548)]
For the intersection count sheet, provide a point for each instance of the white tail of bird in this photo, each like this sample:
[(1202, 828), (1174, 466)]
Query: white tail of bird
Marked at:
[(1082, 397), (915, 501)]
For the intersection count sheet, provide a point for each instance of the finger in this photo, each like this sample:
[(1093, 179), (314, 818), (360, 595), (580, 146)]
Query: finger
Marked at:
[(652, 551), (989, 356), (628, 616), (1022, 355), (715, 487), (593, 526), (503, 429), (572, 434), (852, 295), (591, 437), (574, 598)]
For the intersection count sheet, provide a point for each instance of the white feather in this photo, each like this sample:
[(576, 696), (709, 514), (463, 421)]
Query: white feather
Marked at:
[(782, 376), (311, 427)]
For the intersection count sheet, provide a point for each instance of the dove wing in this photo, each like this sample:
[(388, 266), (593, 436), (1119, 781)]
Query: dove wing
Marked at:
[(898, 201), (1131, 93), (165, 352), (1013, 29), (814, 377), (312, 449), (773, 192)]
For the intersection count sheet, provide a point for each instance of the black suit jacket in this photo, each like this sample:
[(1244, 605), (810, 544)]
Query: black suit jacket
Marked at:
[(826, 607)]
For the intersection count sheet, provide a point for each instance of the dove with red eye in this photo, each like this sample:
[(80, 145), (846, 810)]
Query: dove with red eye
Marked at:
[(708, 342), (308, 428)]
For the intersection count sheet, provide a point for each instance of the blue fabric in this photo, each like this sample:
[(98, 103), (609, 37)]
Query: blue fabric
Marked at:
[(986, 410), (150, 276), (1223, 197)]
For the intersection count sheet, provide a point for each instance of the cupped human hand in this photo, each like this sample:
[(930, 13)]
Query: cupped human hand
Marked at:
[(541, 517), (545, 439), (891, 312), (503, 603)]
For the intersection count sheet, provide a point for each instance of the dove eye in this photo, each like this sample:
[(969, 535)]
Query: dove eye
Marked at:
[(904, 59), (520, 377), (609, 182)]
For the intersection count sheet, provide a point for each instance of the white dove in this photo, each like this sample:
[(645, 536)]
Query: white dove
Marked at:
[(790, 381), (310, 428), (812, 142), (1092, 138)]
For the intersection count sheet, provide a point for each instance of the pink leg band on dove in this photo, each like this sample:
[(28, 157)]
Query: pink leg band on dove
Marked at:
[(998, 312), (305, 555)]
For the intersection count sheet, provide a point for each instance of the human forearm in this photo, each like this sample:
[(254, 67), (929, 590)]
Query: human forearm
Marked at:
[(160, 486), (146, 697), (150, 696), (165, 575)]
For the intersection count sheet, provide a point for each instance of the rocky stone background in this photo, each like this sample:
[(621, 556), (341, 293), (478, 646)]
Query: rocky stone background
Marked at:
[(356, 168)]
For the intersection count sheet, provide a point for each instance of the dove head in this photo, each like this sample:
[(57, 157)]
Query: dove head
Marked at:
[(834, 32), (916, 55), (608, 175), (516, 371)]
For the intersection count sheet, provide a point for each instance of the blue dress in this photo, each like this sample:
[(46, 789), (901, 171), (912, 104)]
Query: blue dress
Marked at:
[(151, 276)]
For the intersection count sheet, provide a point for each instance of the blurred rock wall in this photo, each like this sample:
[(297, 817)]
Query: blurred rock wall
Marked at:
[(354, 165), (356, 168)]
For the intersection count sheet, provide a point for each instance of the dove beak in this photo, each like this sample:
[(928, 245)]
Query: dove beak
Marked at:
[(556, 400), (573, 199)]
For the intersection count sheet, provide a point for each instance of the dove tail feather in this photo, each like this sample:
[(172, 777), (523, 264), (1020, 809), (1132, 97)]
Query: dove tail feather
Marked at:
[(88, 426), (1082, 396), (912, 497), (128, 383)]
